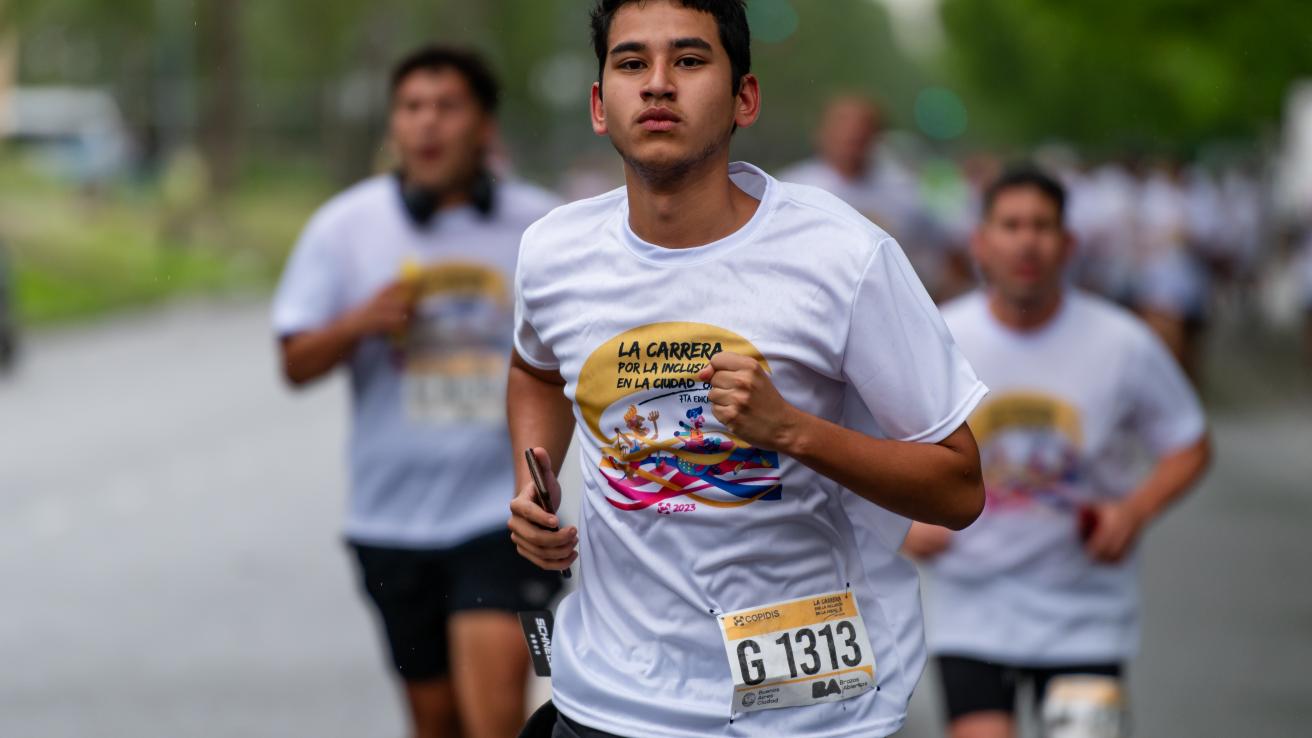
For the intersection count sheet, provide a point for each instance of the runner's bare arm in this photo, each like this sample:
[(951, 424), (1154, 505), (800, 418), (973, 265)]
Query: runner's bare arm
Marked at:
[(1120, 523), (540, 418), (937, 483), (309, 355)]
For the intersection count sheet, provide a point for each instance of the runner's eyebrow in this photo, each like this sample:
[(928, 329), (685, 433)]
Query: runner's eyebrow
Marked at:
[(688, 42), (627, 46)]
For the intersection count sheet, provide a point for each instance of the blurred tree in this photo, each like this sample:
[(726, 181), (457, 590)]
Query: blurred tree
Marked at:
[(1163, 74), (88, 42), (275, 80), (220, 52), (837, 46)]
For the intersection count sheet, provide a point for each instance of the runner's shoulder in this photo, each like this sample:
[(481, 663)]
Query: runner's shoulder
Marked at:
[(558, 233), (362, 199), (1100, 316), (331, 222), (854, 230)]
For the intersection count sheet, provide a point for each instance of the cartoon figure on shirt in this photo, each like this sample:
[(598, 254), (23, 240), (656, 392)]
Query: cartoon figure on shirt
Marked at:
[(700, 462), (632, 442), (693, 435), (1030, 451)]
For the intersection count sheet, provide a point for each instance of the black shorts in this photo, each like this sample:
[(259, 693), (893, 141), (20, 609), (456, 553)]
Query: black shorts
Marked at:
[(416, 591), (972, 685), (548, 722)]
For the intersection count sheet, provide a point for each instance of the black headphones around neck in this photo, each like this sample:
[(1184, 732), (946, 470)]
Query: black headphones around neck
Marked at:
[(421, 203)]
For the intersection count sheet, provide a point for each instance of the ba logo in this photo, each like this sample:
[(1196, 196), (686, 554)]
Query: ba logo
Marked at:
[(749, 699), (824, 688)]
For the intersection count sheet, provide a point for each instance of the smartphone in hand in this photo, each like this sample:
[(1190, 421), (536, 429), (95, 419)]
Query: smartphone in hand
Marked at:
[(543, 494), (1087, 522)]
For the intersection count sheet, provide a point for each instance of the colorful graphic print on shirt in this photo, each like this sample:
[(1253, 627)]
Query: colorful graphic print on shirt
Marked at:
[(661, 445), (453, 356), (1030, 450)]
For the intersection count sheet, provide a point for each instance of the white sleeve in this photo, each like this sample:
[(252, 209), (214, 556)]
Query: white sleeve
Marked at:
[(1166, 412), (528, 344), (309, 294), (900, 357)]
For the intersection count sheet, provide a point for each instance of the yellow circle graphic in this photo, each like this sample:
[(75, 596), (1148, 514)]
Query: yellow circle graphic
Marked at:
[(641, 400)]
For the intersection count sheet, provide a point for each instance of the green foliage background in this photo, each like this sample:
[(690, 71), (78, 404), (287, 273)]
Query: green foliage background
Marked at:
[(306, 85)]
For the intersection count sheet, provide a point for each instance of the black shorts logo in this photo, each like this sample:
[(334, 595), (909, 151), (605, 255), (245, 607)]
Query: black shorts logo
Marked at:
[(824, 688)]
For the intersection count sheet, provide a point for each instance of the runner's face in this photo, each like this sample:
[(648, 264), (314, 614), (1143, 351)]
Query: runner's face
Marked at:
[(1022, 246), (849, 129), (440, 130), (666, 96)]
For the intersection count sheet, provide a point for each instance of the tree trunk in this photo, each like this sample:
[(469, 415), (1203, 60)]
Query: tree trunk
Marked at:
[(219, 46)]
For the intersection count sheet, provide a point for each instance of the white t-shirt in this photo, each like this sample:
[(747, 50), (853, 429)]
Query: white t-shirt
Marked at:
[(1070, 406), (681, 521), (431, 464)]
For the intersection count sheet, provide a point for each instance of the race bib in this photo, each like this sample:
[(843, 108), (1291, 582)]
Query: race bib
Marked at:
[(463, 387), (1084, 706), (799, 652)]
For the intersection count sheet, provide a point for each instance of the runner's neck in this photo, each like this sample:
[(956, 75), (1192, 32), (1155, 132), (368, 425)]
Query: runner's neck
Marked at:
[(850, 172), (1025, 316), (700, 208)]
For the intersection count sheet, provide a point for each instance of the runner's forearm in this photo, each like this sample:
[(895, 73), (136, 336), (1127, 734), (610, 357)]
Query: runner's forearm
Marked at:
[(1172, 478), (539, 415), (310, 355), (933, 483)]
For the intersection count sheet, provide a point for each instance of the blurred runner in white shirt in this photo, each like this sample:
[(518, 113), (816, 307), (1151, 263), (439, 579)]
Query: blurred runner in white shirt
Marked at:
[(1043, 588), (1173, 285), (404, 281), (849, 165)]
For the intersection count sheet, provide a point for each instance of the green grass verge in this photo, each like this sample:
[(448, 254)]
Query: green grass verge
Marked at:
[(74, 255)]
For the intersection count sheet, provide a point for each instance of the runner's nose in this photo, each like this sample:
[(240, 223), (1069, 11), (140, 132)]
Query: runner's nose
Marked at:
[(659, 85)]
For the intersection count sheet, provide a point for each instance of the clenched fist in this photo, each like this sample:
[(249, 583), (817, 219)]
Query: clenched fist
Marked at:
[(1115, 531), (746, 402), (388, 311)]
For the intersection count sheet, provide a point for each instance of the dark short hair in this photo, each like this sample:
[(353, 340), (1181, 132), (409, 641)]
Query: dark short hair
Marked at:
[(468, 64), (730, 16), (1026, 175)]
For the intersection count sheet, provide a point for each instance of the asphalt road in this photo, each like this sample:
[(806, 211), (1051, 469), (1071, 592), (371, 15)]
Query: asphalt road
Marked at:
[(170, 563)]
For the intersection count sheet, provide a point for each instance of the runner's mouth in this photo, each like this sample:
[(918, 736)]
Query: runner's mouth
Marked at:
[(658, 119)]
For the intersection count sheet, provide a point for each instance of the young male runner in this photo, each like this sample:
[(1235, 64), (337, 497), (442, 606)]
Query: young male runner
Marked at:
[(709, 335), (1043, 586), (405, 279)]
